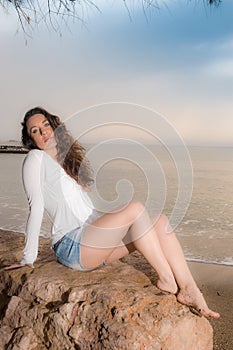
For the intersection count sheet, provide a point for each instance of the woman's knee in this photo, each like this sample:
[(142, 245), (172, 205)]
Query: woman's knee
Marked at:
[(162, 224), (136, 208)]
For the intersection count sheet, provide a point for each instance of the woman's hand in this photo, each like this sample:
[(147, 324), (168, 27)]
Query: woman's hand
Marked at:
[(18, 266)]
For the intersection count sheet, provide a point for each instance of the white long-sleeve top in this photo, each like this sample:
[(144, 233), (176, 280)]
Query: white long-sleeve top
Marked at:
[(48, 187)]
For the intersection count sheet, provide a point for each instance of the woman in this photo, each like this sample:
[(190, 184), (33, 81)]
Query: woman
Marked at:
[(56, 177)]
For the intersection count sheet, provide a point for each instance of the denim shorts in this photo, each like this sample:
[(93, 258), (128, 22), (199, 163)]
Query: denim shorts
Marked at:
[(67, 250)]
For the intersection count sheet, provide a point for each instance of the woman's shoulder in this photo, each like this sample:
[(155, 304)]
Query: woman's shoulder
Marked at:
[(34, 155)]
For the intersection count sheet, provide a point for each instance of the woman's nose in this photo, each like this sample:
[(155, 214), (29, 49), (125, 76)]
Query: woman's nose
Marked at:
[(43, 131)]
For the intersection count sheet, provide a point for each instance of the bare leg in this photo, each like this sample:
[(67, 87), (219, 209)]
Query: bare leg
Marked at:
[(103, 239), (189, 293), (120, 252)]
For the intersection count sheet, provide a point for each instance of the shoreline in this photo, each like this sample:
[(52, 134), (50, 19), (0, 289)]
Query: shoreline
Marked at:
[(211, 262), (189, 260)]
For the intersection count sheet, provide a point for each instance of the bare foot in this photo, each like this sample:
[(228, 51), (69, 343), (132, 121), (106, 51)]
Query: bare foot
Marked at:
[(194, 298), (168, 286)]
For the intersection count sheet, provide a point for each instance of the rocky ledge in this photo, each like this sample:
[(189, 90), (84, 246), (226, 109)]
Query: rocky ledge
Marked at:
[(115, 307)]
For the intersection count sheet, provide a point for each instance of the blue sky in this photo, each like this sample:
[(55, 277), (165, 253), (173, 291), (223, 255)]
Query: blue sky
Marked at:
[(177, 60)]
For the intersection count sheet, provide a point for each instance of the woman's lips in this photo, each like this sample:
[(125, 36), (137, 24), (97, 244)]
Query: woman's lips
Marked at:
[(50, 141)]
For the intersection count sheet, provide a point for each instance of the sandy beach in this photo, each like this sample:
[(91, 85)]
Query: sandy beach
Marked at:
[(216, 283)]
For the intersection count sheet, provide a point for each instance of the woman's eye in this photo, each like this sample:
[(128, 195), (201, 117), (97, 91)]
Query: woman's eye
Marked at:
[(35, 131), (46, 124)]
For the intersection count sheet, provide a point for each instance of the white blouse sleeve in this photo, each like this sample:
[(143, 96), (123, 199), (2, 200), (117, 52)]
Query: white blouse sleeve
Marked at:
[(32, 180)]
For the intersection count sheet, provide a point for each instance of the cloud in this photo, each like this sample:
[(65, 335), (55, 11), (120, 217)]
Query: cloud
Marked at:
[(173, 63), (222, 68)]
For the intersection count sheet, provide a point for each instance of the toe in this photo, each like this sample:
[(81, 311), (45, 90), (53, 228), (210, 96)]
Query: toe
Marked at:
[(209, 313)]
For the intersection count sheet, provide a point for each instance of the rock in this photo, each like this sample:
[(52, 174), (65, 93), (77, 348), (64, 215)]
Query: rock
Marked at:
[(114, 307)]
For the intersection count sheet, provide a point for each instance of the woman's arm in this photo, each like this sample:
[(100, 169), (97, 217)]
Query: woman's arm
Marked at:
[(32, 180), (17, 266)]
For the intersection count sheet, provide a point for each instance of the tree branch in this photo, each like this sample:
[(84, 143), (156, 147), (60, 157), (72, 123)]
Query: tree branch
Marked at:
[(31, 13)]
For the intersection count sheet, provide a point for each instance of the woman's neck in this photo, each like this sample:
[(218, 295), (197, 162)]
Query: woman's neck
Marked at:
[(52, 152)]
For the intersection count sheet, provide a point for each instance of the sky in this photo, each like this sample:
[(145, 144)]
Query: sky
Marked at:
[(174, 63)]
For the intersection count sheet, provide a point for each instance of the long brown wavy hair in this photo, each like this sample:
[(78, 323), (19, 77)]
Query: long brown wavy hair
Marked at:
[(70, 154)]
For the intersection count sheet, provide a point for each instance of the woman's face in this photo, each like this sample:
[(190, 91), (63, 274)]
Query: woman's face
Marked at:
[(41, 132)]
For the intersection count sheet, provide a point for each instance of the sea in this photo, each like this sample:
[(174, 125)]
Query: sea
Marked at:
[(193, 186)]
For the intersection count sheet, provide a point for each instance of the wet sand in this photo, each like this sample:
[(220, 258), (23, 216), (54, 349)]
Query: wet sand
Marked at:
[(216, 283)]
